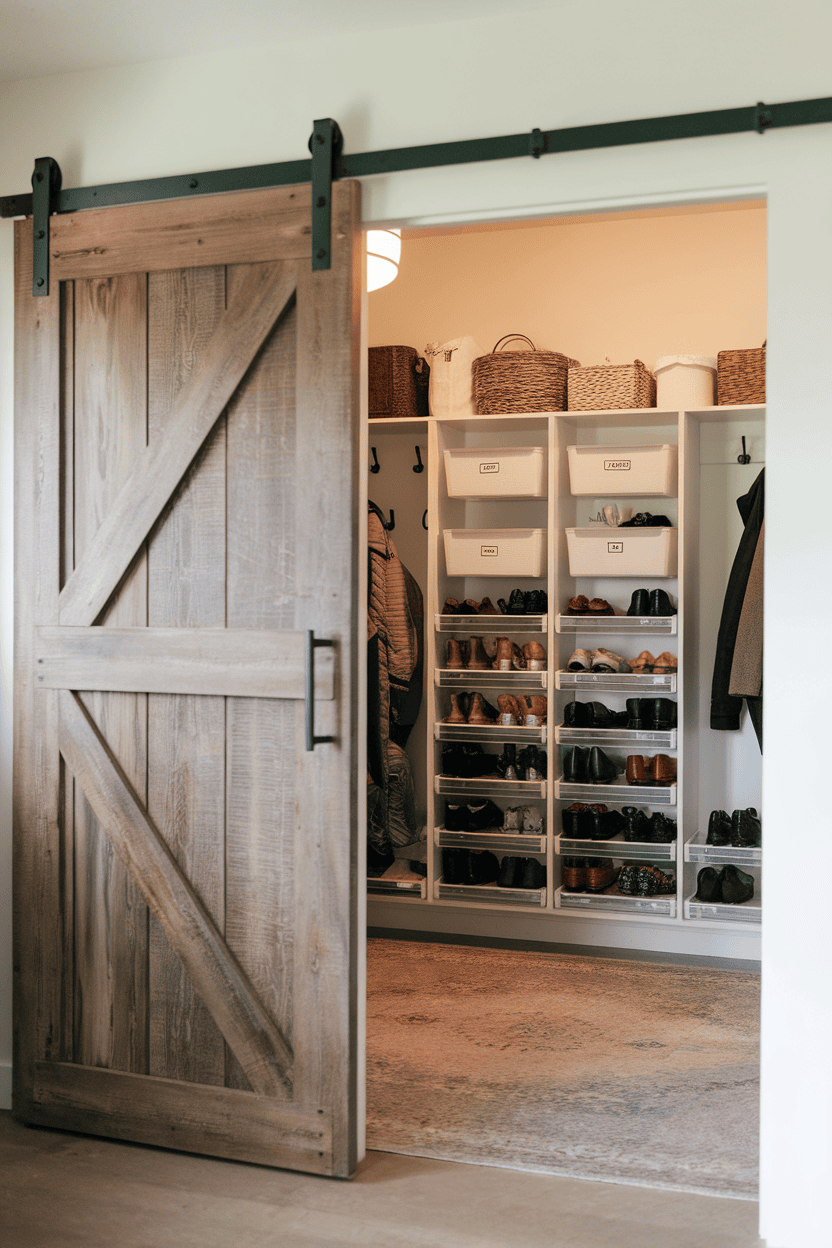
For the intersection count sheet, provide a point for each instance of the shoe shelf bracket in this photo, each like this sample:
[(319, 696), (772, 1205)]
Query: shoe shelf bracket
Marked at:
[(724, 912), (632, 794), (472, 678), (615, 682), (490, 894), (610, 737), (628, 851), (485, 787), (497, 842), (615, 903), (489, 732), (477, 625), (717, 855), (616, 625), (408, 888)]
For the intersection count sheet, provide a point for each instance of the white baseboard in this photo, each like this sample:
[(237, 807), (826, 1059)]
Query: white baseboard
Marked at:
[(5, 1085)]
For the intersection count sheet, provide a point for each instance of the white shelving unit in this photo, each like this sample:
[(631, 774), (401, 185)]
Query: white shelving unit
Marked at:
[(676, 922)]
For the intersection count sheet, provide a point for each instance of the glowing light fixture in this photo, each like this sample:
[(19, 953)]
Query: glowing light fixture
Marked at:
[(384, 249)]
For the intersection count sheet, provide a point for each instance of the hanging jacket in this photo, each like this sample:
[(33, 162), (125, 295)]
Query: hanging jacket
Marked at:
[(395, 623), (725, 708), (747, 668)]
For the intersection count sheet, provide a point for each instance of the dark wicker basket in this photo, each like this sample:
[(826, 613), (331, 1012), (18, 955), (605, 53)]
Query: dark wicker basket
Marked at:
[(741, 376), (520, 381), (398, 383), (610, 387)]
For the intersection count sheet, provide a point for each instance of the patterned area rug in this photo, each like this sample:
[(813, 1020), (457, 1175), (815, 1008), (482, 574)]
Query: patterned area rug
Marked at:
[(630, 1072)]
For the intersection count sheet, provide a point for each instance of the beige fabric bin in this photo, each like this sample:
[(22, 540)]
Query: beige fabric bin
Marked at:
[(604, 551), (685, 382), (495, 552)]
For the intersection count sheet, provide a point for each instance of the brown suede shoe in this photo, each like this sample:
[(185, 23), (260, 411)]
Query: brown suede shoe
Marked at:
[(510, 713), (643, 662), (478, 660), (459, 707), (481, 712), (487, 607), (535, 656), (457, 653), (451, 607), (665, 663), (578, 605), (600, 606)]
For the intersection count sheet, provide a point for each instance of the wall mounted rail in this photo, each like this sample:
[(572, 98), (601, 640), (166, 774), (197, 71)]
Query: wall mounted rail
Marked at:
[(329, 162)]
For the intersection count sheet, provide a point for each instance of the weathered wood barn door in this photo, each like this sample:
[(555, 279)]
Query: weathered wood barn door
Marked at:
[(186, 490)]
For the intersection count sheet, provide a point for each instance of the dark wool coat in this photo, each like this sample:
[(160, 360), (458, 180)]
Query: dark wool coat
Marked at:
[(725, 709)]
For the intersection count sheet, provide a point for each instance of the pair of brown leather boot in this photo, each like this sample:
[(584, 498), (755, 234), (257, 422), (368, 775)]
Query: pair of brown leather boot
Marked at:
[(510, 657), (468, 654), (659, 770), (471, 708)]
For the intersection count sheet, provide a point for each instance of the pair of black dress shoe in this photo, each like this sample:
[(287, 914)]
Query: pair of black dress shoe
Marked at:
[(472, 816), (521, 873), (588, 766), (525, 602), (468, 760), (529, 764), (729, 885), (650, 603), (654, 714), (469, 866), (744, 828), (657, 830), (646, 518)]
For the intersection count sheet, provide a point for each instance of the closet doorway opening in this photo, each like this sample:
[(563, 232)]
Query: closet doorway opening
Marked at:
[(603, 289)]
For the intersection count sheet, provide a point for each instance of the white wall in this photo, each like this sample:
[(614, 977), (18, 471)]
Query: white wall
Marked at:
[(581, 62)]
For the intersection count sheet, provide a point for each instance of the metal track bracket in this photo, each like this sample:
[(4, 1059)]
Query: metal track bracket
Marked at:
[(46, 194), (325, 145)]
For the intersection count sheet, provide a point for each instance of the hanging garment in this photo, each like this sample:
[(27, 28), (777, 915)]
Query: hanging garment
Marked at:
[(747, 668), (725, 708), (395, 659)]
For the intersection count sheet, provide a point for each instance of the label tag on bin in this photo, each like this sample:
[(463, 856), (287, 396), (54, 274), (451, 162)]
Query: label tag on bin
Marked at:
[(489, 467), (617, 465), (615, 548), (489, 552)]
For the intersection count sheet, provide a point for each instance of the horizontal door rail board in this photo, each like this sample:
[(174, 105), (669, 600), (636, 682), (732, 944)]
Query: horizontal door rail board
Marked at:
[(235, 229), (193, 1117), (533, 143), (252, 1035), (226, 662), (263, 294)]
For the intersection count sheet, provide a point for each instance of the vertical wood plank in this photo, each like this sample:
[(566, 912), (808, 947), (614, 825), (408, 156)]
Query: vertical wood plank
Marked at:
[(186, 735), (67, 783), (38, 901), (110, 430), (261, 734), (326, 936)]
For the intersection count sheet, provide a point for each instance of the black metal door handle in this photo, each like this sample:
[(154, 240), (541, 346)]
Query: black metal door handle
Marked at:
[(312, 643)]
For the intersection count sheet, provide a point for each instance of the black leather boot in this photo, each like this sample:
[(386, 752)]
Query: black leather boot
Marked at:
[(639, 603), (737, 885), (746, 828), (719, 828), (635, 711), (601, 768), (662, 714), (708, 885), (484, 866), (660, 604), (576, 715), (510, 870), (576, 765)]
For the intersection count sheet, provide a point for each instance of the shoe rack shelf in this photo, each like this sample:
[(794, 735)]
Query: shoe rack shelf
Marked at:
[(608, 738), (616, 625), (502, 625), (490, 732), (456, 786), (689, 926), (621, 850), (723, 911), (516, 843), (629, 794), (471, 678), (718, 855), (615, 682), (490, 894), (408, 888), (610, 901)]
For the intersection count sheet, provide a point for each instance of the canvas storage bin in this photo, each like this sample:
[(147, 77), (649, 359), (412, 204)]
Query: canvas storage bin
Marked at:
[(629, 471), (398, 383), (520, 381), (685, 382), (495, 552), (451, 390), (496, 472), (741, 376), (604, 551), (610, 387)]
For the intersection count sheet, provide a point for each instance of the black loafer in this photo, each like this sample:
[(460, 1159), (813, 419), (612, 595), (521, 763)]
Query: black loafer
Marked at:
[(484, 866), (532, 873), (576, 715), (663, 714), (719, 828), (660, 604), (746, 828), (456, 866), (601, 768), (483, 815), (708, 885), (576, 765), (510, 871), (639, 603), (737, 886), (575, 821), (635, 710)]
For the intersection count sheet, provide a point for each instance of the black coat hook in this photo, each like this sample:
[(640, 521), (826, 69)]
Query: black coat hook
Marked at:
[(425, 520), (745, 458), (391, 523), (418, 466), (375, 466)]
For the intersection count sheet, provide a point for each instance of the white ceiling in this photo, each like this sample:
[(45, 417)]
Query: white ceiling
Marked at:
[(43, 37)]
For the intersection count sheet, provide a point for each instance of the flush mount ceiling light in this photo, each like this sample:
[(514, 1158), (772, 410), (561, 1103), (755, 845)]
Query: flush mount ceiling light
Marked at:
[(384, 248)]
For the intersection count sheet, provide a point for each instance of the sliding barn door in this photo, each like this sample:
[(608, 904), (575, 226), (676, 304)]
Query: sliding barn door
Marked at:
[(186, 492)]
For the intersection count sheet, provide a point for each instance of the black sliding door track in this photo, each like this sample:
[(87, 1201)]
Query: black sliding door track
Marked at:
[(328, 162)]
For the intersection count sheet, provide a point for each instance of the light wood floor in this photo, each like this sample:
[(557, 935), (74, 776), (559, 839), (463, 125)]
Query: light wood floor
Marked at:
[(59, 1190)]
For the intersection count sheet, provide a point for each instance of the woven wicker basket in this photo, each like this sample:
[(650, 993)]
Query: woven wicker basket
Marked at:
[(741, 376), (520, 381), (398, 383), (607, 387)]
